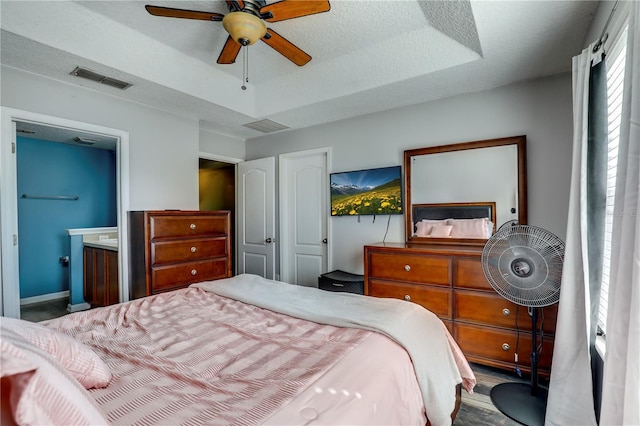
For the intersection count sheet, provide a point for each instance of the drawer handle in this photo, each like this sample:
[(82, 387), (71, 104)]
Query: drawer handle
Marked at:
[(505, 347), (506, 312), (407, 298), (337, 285), (193, 249), (407, 268), (192, 226), (193, 272)]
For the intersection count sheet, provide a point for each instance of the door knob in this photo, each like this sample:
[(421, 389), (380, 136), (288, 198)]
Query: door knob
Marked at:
[(324, 241), (268, 240)]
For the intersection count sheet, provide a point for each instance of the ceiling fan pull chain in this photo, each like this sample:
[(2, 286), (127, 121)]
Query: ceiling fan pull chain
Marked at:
[(245, 67)]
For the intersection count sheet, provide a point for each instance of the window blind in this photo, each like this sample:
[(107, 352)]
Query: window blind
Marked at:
[(615, 85)]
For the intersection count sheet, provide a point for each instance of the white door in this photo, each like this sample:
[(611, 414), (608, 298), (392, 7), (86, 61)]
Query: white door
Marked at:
[(303, 216), (256, 217)]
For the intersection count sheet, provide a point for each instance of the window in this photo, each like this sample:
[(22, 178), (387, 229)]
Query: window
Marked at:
[(615, 84)]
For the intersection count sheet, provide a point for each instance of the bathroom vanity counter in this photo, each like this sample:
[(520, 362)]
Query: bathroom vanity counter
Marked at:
[(108, 244)]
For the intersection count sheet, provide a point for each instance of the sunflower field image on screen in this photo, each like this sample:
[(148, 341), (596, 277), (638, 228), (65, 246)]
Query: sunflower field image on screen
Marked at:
[(367, 192)]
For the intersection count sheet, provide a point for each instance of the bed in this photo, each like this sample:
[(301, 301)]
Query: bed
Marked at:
[(242, 350)]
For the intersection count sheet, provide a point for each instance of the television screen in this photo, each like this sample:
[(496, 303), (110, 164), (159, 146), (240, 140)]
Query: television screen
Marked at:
[(367, 192)]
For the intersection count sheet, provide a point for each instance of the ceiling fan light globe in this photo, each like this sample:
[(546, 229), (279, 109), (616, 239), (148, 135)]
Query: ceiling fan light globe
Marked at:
[(244, 28)]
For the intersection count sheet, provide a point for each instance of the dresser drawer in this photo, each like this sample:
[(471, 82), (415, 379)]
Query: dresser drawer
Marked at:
[(435, 299), (493, 309), (181, 275), (410, 267), (468, 273), (185, 250), (499, 345), (186, 226)]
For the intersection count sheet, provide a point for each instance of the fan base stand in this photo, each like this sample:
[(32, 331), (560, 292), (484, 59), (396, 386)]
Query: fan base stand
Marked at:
[(515, 401)]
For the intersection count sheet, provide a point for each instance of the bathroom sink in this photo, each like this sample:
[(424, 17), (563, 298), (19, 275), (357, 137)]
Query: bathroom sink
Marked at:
[(106, 243)]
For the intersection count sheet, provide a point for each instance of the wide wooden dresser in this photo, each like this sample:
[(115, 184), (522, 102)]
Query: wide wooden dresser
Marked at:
[(170, 249), (448, 280)]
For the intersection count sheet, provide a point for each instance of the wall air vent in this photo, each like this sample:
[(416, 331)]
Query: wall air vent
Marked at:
[(94, 76), (265, 126)]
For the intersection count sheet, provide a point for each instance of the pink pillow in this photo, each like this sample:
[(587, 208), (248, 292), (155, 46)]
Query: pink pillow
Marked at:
[(79, 360), (441, 231), (469, 228), (37, 390)]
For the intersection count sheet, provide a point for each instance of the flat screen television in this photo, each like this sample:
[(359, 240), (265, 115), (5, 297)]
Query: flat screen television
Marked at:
[(366, 192)]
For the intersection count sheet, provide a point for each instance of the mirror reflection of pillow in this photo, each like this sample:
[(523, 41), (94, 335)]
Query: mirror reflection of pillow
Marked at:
[(489, 229), (437, 221), (441, 231), (469, 228), (423, 229)]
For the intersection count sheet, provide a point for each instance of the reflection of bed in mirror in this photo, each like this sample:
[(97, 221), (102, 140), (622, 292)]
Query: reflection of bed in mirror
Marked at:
[(471, 172), (475, 220)]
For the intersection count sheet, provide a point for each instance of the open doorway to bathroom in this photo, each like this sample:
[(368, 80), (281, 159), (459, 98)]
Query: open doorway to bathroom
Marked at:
[(217, 188), (66, 179)]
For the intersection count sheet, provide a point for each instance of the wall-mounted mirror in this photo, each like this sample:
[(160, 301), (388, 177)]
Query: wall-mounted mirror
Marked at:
[(467, 182)]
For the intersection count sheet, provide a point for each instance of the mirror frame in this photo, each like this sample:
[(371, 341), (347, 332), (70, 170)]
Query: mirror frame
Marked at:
[(518, 141)]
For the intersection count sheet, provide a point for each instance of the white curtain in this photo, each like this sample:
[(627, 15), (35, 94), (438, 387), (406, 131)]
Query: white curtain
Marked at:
[(570, 400), (621, 381)]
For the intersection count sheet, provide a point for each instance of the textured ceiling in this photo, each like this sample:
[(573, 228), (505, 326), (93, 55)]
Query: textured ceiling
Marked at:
[(368, 56)]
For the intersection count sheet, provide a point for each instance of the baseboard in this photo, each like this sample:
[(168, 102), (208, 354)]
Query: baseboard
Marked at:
[(44, 298), (78, 307)]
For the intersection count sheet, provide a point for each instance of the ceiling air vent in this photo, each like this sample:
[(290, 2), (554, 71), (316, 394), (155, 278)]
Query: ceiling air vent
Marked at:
[(265, 126), (94, 76)]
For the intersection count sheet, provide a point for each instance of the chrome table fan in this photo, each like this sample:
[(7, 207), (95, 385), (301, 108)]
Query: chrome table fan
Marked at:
[(523, 264)]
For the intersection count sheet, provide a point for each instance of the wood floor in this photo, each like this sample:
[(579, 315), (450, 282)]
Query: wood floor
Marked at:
[(477, 408)]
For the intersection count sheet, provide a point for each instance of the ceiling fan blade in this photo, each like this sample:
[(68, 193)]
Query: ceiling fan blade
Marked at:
[(170, 12), (286, 48), (229, 52), (288, 9)]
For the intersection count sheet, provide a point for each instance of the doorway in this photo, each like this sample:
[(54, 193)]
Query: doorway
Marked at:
[(10, 289), (217, 191), (66, 180)]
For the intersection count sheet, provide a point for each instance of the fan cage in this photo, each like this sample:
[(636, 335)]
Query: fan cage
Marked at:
[(523, 264)]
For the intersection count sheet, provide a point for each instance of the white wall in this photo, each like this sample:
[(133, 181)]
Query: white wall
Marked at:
[(163, 148), (221, 145), (539, 109)]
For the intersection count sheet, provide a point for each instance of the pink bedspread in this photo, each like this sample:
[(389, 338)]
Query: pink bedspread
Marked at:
[(194, 357)]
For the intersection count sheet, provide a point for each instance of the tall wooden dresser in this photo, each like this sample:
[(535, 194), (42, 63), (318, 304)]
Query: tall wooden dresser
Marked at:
[(448, 280), (171, 249)]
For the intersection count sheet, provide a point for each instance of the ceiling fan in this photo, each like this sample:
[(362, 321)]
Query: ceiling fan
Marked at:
[(245, 24)]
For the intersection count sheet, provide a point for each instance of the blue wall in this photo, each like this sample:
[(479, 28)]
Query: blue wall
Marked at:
[(49, 168)]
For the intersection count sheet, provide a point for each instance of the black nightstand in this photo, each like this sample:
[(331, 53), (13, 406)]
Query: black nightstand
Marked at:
[(341, 281)]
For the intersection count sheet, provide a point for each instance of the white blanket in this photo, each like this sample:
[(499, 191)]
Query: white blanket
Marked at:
[(418, 330)]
